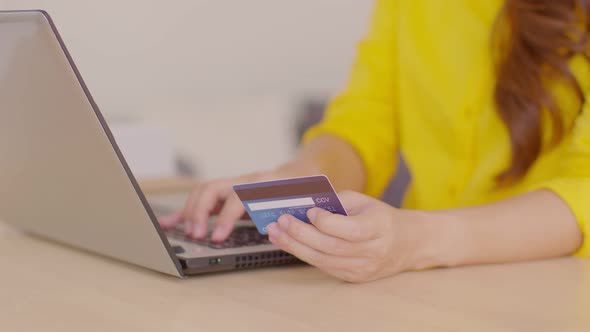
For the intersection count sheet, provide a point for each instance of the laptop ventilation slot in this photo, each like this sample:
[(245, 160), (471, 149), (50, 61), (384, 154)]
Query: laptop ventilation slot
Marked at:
[(265, 259)]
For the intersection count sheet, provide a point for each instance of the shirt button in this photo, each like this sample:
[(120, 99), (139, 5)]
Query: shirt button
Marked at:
[(469, 112)]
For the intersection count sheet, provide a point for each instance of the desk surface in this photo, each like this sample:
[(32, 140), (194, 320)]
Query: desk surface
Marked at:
[(50, 287)]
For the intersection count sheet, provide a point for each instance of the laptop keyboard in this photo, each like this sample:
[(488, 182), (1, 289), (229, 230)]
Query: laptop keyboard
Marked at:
[(242, 236)]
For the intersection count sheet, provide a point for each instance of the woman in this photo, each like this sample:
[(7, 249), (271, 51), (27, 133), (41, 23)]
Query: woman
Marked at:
[(486, 101)]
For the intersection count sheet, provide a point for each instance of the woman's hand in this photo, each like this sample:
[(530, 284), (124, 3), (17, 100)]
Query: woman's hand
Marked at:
[(373, 242), (218, 198), (324, 154)]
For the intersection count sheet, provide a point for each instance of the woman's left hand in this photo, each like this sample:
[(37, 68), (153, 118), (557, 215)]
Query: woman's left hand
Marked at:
[(371, 243)]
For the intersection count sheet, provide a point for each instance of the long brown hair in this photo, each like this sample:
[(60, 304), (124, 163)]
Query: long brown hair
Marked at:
[(539, 39)]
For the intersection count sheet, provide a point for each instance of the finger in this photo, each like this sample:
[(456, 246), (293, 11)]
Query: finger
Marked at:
[(307, 254), (172, 220), (314, 238), (204, 204), (193, 199), (188, 209), (353, 201), (348, 228), (232, 211), (217, 209)]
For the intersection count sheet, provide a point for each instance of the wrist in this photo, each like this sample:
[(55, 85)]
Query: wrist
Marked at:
[(432, 239)]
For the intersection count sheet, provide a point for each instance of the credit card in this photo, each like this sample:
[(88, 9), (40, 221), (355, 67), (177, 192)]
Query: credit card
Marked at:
[(266, 201)]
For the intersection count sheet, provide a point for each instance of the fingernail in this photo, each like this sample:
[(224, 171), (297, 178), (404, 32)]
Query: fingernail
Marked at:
[(200, 230), (188, 228), (272, 229), (218, 233), (284, 221)]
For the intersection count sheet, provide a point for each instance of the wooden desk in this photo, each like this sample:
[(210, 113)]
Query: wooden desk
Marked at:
[(49, 287)]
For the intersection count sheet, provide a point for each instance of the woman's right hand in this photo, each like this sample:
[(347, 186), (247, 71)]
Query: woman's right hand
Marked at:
[(217, 197)]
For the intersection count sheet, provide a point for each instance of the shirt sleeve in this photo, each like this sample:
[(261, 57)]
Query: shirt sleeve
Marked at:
[(572, 179), (364, 114)]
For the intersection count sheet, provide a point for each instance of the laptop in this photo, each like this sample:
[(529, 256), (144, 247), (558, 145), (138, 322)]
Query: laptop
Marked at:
[(62, 176)]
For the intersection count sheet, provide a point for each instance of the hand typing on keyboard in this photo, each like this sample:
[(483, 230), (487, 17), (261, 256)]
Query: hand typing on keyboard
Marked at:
[(240, 237), (218, 198)]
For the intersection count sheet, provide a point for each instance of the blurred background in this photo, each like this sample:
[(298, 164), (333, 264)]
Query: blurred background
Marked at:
[(211, 88), (225, 84)]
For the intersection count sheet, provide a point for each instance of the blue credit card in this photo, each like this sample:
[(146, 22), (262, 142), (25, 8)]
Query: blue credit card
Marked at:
[(266, 201)]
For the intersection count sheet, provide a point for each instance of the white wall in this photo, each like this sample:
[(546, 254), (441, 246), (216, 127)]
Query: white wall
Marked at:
[(134, 53), (167, 58)]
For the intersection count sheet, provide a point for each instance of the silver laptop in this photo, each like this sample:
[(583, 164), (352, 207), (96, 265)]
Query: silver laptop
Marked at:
[(63, 178)]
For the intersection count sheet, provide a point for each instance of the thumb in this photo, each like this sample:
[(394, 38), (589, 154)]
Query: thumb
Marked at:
[(315, 214), (353, 201), (171, 220)]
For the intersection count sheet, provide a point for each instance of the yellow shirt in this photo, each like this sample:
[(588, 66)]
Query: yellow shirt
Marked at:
[(423, 85)]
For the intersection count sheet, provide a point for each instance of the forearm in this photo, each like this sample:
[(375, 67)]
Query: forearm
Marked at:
[(332, 156), (531, 226)]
